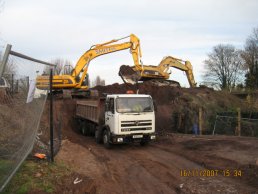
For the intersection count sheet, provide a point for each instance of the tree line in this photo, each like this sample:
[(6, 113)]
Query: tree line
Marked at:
[(228, 68)]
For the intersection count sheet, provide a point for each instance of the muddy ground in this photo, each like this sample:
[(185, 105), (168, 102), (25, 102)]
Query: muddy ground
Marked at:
[(173, 164)]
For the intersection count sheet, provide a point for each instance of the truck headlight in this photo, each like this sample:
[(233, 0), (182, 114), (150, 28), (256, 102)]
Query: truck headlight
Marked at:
[(153, 136), (120, 139)]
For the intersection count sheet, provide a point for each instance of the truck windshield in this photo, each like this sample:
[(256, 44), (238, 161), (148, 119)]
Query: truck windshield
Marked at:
[(134, 104)]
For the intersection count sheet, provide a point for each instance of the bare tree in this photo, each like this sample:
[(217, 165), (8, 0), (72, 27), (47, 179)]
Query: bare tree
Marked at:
[(250, 57), (98, 82), (102, 82), (63, 66), (223, 67), (10, 68)]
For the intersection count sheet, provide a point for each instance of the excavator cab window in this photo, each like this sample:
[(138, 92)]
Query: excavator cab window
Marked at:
[(86, 80)]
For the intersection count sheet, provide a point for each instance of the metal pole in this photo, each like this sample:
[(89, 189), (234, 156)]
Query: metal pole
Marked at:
[(51, 116), (200, 120), (256, 71), (28, 82), (12, 89), (5, 59), (30, 58), (239, 121)]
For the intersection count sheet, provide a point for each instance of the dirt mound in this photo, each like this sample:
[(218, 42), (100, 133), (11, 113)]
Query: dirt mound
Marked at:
[(178, 108)]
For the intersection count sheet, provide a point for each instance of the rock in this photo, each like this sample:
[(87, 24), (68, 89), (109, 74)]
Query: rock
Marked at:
[(257, 161), (38, 175)]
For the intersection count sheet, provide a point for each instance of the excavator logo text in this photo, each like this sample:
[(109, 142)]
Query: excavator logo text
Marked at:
[(105, 50)]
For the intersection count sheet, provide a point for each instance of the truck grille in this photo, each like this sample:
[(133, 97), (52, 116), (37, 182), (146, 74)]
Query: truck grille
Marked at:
[(136, 125)]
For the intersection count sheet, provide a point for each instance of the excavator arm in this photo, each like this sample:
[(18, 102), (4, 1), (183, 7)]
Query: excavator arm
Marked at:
[(76, 79), (180, 64)]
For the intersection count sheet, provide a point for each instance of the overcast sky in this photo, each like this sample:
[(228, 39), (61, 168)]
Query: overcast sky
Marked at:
[(184, 29)]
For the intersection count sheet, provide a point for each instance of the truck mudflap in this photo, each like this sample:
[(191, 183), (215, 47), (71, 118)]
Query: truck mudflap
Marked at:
[(139, 137)]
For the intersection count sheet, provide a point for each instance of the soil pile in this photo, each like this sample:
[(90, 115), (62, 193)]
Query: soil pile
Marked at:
[(178, 108)]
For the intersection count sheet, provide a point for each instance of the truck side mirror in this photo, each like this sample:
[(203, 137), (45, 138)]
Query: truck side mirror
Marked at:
[(155, 106), (106, 106), (112, 106)]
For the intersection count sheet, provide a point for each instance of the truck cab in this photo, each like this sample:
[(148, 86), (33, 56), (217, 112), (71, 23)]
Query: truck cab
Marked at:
[(129, 118), (118, 118)]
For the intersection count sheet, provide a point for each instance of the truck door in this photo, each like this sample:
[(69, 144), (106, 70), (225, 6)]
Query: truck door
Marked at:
[(110, 114)]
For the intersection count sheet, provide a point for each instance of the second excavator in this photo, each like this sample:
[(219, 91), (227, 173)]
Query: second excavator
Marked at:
[(158, 74)]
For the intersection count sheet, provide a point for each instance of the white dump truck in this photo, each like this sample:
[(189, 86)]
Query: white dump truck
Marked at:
[(117, 118)]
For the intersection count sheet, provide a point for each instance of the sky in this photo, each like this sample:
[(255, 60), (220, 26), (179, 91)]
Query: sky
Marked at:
[(184, 29)]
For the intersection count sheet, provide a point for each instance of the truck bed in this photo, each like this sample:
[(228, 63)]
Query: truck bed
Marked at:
[(92, 110)]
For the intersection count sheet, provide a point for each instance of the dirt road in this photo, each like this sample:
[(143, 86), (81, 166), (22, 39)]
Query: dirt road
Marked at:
[(173, 164)]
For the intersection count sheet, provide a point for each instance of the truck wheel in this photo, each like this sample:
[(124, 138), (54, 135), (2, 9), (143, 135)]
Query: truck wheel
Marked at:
[(84, 129), (106, 139), (98, 136)]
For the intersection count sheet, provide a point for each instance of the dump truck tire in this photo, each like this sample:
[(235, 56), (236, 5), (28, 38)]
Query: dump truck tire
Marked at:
[(98, 136), (106, 138)]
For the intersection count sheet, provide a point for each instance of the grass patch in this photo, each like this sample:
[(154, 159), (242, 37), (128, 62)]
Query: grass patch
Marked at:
[(5, 166), (37, 177)]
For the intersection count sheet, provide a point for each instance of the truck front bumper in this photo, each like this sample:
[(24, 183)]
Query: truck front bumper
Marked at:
[(117, 139)]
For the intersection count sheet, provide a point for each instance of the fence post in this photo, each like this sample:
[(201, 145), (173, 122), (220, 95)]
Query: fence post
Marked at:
[(51, 116), (17, 86), (200, 120), (12, 90), (239, 121), (5, 59), (28, 82)]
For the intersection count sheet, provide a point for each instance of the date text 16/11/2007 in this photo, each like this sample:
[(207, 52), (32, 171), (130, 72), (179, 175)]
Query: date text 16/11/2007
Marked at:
[(210, 173)]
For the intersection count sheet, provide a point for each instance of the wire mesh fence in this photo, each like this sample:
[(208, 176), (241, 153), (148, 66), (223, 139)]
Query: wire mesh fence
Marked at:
[(21, 107), (42, 140), (231, 123)]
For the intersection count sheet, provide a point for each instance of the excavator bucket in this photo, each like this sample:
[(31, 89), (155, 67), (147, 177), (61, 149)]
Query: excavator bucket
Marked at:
[(128, 75)]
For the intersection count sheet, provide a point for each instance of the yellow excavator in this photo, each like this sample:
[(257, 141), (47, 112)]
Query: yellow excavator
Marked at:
[(158, 74), (139, 72), (76, 80)]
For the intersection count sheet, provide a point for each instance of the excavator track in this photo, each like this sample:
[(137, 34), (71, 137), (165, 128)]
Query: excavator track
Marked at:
[(159, 82)]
